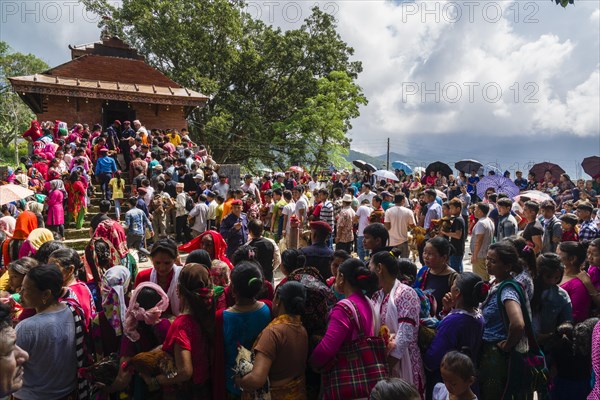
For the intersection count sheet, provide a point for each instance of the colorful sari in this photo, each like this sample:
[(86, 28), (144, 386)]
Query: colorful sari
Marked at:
[(76, 206)]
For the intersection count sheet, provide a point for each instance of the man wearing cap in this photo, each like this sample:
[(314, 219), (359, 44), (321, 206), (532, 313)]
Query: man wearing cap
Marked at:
[(126, 134), (234, 227), (105, 168), (318, 254), (588, 230), (398, 221), (344, 235), (387, 200)]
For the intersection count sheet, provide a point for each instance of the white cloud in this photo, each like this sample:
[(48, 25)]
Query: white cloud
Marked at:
[(595, 15), (401, 52)]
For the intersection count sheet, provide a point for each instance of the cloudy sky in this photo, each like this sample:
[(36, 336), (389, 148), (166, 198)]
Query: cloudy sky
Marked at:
[(500, 81)]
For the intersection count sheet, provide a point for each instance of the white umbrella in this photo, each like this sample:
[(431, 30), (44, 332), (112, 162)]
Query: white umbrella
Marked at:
[(382, 173), (419, 170), (534, 195), (11, 192)]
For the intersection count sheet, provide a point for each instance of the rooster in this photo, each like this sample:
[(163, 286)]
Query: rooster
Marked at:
[(151, 363), (243, 366), (104, 371), (416, 237)]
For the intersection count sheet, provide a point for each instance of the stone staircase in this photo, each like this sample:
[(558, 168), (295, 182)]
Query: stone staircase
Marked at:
[(78, 238)]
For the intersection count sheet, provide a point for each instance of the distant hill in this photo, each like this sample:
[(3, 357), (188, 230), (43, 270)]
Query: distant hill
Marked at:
[(379, 161), (357, 155)]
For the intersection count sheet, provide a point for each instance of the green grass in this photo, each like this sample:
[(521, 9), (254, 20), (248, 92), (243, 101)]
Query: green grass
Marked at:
[(7, 154)]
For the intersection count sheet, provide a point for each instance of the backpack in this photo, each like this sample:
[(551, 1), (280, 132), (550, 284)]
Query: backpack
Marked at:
[(189, 203)]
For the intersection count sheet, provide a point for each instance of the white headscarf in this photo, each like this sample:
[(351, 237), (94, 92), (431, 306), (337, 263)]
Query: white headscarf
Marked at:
[(114, 285)]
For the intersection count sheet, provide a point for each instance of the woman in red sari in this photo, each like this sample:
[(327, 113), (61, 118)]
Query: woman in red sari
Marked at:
[(76, 207), (212, 242)]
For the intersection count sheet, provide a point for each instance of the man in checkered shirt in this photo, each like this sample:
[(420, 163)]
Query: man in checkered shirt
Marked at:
[(588, 229)]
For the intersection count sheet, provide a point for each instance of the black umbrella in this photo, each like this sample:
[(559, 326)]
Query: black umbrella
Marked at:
[(370, 167), (591, 165), (439, 166), (540, 169), (359, 164), (467, 166)]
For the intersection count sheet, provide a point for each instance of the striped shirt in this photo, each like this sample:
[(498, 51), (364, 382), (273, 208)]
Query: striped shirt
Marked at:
[(327, 213)]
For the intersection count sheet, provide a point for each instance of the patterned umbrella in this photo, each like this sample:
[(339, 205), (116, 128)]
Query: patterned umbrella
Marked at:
[(403, 166), (297, 169), (11, 192), (591, 165), (499, 183), (467, 166), (384, 174), (540, 169)]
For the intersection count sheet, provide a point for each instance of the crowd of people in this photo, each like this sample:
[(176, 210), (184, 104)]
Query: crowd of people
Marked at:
[(290, 286)]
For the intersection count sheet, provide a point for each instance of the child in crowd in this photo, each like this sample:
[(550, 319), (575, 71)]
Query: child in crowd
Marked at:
[(458, 373), (338, 257), (568, 223)]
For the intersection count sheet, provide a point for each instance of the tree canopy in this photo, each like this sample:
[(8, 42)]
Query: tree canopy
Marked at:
[(15, 116), (276, 97)]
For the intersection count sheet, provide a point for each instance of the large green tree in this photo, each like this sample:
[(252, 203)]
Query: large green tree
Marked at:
[(15, 116), (266, 85)]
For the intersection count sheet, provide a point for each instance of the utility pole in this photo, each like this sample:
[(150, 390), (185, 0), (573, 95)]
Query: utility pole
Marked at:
[(388, 155)]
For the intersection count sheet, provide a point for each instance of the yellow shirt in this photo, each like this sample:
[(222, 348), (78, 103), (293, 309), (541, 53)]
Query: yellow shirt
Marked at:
[(175, 140), (219, 213), (4, 281), (117, 188)]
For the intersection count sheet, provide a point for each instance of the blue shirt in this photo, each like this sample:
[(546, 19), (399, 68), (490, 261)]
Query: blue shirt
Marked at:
[(234, 238), (495, 329), (105, 164), (434, 211), (136, 222), (242, 328)]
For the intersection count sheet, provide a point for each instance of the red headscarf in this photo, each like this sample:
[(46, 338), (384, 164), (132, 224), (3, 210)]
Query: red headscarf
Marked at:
[(219, 246)]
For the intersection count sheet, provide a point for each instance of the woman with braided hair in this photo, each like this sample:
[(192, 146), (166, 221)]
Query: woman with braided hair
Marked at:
[(191, 334)]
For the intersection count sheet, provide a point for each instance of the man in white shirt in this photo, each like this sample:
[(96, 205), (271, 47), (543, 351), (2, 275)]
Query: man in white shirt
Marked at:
[(199, 215), (301, 205), (367, 194), (212, 210), (250, 187), (481, 239), (398, 221), (182, 232), (362, 218), (221, 187), (287, 212)]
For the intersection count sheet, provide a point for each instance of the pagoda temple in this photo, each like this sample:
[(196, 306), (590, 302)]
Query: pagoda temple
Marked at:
[(107, 81)]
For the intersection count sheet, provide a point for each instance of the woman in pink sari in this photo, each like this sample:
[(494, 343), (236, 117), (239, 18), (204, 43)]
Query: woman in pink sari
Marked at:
[(212, 242), (56, 212)]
